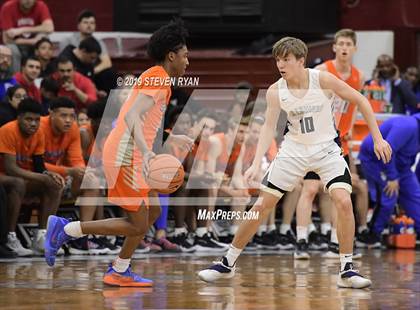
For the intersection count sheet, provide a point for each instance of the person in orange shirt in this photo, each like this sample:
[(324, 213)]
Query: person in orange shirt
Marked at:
[(127, 152), (198, 181), (345, 114), (223, 152), (63, 155), (268, 236), (22, 148)]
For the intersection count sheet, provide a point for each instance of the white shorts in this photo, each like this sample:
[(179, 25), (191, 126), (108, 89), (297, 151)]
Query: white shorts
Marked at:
[(294, 160)]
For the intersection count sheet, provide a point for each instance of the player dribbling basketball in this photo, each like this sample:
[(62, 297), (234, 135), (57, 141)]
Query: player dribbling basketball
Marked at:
[(126, 156), (306, 96)]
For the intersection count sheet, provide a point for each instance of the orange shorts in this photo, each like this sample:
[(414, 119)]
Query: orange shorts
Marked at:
[(127, 187)]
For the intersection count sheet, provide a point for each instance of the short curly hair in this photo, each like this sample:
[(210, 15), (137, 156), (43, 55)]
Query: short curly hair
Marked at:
[(168, 38)]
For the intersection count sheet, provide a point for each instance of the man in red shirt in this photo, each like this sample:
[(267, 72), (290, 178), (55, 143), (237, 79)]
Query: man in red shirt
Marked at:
[(31, 69), (74, 85), (23, 23)]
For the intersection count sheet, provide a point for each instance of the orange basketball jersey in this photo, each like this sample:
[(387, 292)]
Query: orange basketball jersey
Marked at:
[(344, 112)]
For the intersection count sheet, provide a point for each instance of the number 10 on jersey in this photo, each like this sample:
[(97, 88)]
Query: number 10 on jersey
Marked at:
[(307, 125)]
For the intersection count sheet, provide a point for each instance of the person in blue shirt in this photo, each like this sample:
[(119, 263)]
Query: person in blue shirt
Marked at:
[(394, 182), (6, 75)]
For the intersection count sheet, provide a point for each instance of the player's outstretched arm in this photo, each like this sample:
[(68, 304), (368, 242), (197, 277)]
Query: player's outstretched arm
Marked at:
[(267, 131), (329, 82)]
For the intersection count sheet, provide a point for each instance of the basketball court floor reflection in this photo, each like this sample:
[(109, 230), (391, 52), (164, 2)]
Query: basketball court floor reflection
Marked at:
[(263, 281)]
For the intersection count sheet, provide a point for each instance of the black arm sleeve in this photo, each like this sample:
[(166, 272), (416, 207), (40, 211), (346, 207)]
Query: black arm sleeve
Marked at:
[(38, 161)]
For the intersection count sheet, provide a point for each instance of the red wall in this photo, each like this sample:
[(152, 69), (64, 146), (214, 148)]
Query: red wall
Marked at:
[(65, 13), (401, 16)]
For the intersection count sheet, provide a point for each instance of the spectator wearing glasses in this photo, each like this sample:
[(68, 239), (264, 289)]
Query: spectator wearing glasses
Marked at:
[(6, 75)]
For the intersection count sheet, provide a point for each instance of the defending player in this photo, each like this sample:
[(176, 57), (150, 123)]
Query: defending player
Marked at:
[(126, 155), (306, 95)]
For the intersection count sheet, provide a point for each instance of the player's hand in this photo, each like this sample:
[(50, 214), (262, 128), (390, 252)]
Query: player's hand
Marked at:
[(14, 32), (355, 177), (383, 150), (183, 141), (76, 172), (252, 174), (146, 158), (69, 86), (392, 188), (241, 200), (348, 136), (54, 180)]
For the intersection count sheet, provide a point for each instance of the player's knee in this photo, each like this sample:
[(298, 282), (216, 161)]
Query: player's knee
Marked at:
[(309, 193), (19, 187), (137, 230), (264, 207), (343, 203)]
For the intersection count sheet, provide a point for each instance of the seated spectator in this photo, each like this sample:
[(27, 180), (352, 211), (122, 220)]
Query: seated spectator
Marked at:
[(31, 68), (8, 108), (83, 56), (44, 50), (5, 252), (24, 22), (412, 75), (49, 91), (73, 84), (103, 75), (15, 191), (82, 118), (22, 147), (63, 155), (397, 91), (6, 75)]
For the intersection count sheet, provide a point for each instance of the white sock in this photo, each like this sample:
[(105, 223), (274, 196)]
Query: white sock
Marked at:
[(271, 227), (334, 238), (201, 231), (361, 228), (325, 228), (262, 229), (120, 264), (73, 229), (344, 259), (12, 234), (180, 231), (234, 229), (41, 233), (284, 228), (302, 233), (232, 255), (311, 228)]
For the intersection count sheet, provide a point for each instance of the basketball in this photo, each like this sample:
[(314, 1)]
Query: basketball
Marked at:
[(166, 174)]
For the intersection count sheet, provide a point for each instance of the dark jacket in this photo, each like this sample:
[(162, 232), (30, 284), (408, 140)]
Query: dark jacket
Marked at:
[(7, 112), (402, 97)]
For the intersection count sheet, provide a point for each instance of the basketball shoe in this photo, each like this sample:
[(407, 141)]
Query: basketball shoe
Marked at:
[(125, 279), (55, 238), (350, 278), (220, 270)]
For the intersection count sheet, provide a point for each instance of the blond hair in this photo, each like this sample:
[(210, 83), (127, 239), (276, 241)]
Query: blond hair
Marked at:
[(345, 33), (290, 45)]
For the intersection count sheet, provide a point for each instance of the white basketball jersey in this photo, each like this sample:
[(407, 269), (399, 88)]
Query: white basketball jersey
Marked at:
[(310, 119)]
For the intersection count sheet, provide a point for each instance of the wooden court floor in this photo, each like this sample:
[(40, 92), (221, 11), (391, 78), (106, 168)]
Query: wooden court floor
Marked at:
[(263, 281)]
